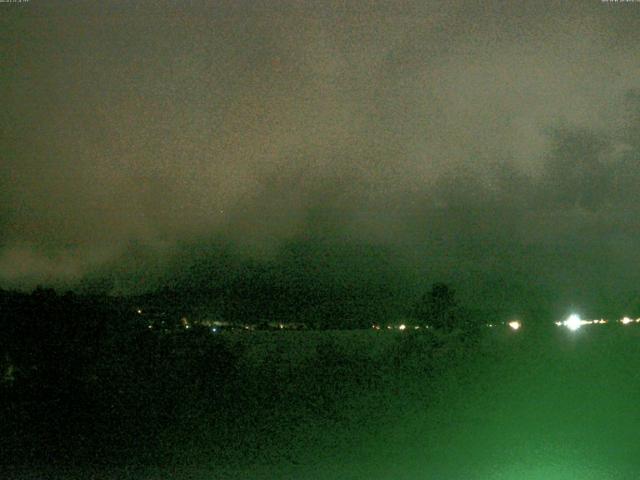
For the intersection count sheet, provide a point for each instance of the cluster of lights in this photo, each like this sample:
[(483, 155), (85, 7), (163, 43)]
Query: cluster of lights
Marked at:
[(402, 327), (513, 325), (574, 322)]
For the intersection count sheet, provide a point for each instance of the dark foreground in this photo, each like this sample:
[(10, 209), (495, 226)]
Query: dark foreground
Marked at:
[(337, 405)]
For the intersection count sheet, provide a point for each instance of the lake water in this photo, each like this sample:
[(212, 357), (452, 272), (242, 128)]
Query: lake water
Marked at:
[(527, 405)]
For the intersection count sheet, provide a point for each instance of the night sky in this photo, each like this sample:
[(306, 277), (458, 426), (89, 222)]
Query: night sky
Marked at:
[(495, 146)]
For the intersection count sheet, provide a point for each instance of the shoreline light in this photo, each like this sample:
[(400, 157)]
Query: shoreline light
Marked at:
[(515, 325), (574, 322)]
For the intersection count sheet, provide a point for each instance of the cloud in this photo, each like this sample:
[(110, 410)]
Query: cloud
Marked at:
[(462, 137)]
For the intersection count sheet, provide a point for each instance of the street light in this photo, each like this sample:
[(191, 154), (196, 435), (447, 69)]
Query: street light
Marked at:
[(574, 322), (515, 324)]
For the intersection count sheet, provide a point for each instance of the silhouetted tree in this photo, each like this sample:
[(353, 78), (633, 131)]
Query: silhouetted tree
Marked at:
[(438, 308)]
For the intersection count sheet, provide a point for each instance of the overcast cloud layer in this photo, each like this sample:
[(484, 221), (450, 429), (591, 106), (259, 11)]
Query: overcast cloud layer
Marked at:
[(479, 142)]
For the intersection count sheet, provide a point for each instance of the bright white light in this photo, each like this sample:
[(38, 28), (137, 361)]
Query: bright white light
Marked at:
[(515, 325), (626, 320), (558, 323), (573, 323), (402, 327)]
